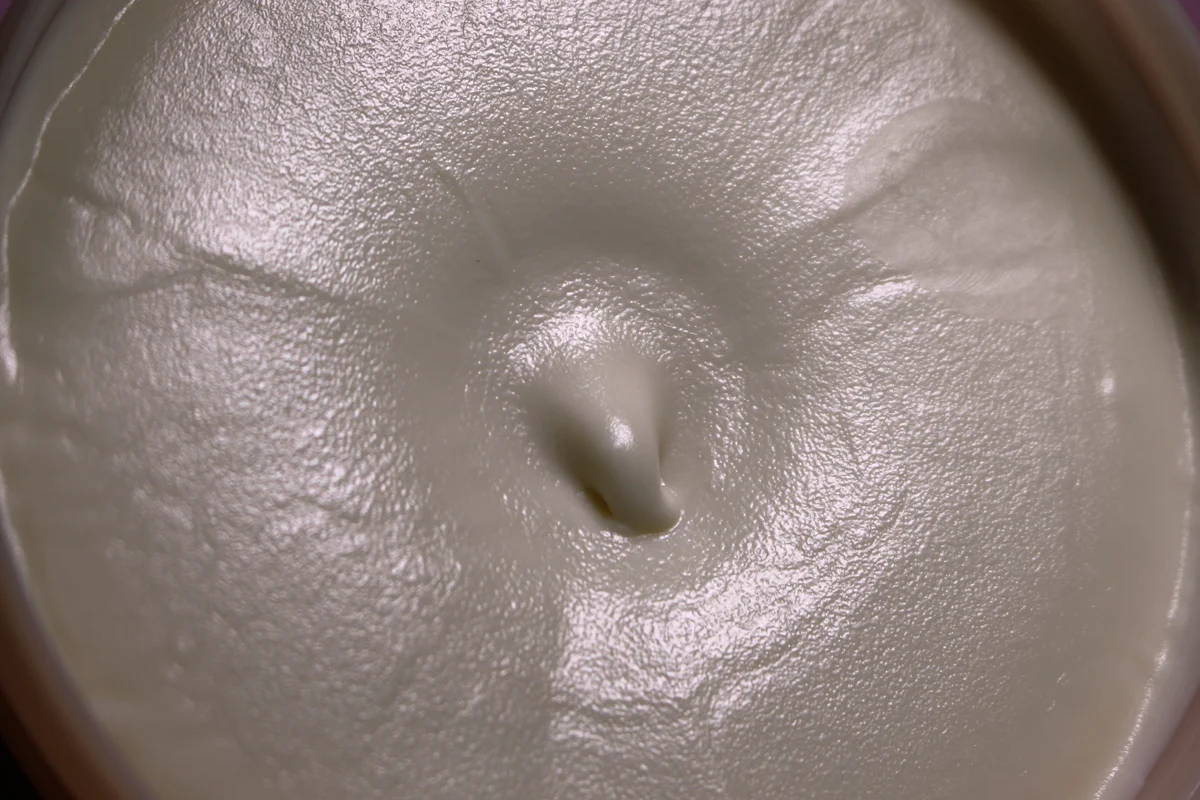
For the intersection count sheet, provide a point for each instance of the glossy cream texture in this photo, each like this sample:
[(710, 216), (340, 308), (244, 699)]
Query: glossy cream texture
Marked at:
[(355, 352)]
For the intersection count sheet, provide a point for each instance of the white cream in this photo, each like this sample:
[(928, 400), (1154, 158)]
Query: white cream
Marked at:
[(359, 355)]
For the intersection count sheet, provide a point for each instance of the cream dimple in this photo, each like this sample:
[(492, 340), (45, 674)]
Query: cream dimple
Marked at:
[(603, 421)]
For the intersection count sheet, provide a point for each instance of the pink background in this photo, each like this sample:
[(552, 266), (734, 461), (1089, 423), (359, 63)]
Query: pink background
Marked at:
[(1192, 7)]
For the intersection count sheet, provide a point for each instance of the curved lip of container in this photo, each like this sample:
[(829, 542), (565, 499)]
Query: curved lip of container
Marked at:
[(1130, 69)]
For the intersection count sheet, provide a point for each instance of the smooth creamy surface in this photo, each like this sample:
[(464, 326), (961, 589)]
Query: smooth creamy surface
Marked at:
[(357, 354)]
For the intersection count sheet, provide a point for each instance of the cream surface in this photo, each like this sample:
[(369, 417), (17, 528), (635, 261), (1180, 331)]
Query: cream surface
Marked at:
[(357, 356)]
